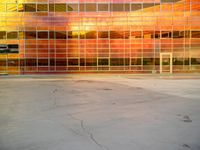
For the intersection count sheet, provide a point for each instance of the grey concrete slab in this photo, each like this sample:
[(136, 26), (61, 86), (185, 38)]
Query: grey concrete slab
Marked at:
[(90, 112)]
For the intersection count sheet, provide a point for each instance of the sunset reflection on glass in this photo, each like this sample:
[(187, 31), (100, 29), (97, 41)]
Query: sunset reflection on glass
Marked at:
[(59, 36)]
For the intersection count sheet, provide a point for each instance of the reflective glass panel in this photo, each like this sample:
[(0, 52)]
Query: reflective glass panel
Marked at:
[(30, 7), (72, 7), (12, 35), (11, 7), (103, 7), (42, 7), (60, 7)]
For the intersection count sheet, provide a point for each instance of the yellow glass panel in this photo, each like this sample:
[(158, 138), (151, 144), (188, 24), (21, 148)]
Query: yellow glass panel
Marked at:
[(21, 35), (2, 8), (11, 56), (20, 7), (8, 1), (11, 7)]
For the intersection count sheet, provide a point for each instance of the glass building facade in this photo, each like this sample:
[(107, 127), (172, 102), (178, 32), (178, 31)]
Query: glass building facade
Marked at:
[(116, 36)]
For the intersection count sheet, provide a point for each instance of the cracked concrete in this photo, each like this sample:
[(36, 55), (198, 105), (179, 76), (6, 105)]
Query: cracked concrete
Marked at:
[(99, 113), (92, 136)]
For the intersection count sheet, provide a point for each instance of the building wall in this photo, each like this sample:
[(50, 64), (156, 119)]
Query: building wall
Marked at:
[(127, 36)]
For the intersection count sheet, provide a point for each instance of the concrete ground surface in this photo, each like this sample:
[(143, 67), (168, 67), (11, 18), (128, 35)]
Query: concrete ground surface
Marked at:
[(83, 112)]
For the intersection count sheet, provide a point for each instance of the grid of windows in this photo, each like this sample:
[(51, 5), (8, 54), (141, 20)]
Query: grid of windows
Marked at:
[(166, 5), (99, 35)]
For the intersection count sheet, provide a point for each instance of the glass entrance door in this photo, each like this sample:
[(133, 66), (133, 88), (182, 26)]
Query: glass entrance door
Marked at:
[(166, 63)]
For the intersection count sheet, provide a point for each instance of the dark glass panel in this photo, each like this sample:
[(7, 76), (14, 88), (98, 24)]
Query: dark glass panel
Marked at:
[(157, 34), (117, 7), (195, 61), (2, 34), (13, 48), (13, 62), (43, 34), (52, 62), (60, 7), (42, 62), (166, 34), (91, 62), (60, 34), (157, 61), (126, 34), (10, 48), (52, 35), (148, 61), (147, 5), (72, 7), (103, 34), (3, 48), (195, 34), (116, 35), (91, 35), (103, 62), (187, 34), (31, 62), (82, 62), (136, 61), (135, 7), (12, 35), (61, 62), (3, 62), (169, 1), (186, 61), (73, 62), (22, 62), (127, 7), (90, 7), (30, 34), (116, 61), (177, 61), (136, 34), (178, 34), (127, 61), (42, 7), (30, 7), (103, 7)]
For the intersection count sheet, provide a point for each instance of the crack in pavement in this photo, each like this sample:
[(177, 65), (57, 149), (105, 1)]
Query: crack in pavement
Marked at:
[(95, 141), (90, 134), (92, 137)]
